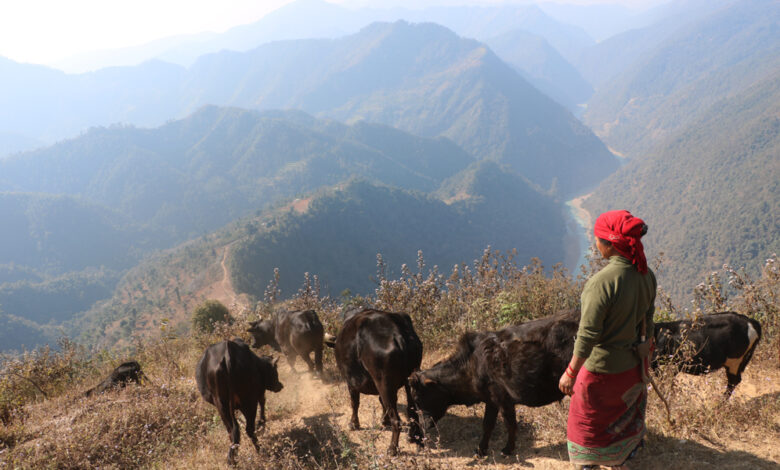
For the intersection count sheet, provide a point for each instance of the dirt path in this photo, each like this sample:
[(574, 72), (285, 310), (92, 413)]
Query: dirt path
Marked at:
[(311, 419)]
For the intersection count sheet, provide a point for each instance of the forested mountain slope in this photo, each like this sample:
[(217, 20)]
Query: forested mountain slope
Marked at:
[(340, 233), (711, 192), (199, 173), (422, 79), (716, 58)]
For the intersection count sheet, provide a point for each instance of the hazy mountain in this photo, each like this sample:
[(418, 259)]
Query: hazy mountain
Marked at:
[(315, 19), (599, 21), (716, 58), (543, 67), (602, 61), (199, 173), (339, 235), (13, 143), (422, 79), (711, 192)]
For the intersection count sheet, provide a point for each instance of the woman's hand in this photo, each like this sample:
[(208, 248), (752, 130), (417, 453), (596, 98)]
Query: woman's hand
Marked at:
[(566, 384)]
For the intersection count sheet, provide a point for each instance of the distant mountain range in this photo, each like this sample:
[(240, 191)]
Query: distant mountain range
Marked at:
[(422, 79), (316, 19), (715, 58), (82, 212)]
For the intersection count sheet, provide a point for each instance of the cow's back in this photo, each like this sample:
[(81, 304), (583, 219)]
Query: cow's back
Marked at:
[(371, 339), (529, 359), (299, 328)]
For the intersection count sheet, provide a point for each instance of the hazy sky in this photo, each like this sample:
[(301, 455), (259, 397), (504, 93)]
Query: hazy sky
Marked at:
[(45, 31)]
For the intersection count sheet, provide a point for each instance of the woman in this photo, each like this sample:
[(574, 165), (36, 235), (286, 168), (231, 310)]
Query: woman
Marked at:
[(604, 377)]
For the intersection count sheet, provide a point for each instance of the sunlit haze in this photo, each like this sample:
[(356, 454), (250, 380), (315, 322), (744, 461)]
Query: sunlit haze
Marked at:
[(47, 31)]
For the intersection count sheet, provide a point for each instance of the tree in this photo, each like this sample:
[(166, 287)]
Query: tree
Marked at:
[(208, 313)]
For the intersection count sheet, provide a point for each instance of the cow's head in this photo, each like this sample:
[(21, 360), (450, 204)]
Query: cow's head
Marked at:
[(429, 398), (263, 333), (271, 375)]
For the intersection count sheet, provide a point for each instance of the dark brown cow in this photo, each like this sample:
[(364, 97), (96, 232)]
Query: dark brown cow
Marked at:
[(375, 352), (725, 339), (517, 365), (294, 334), (124, 373), (230, 376)]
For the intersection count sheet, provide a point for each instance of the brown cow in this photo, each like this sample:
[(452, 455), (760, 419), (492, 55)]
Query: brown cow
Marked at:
[(230, 376), (294, 334), (517, 365), (375, 352)]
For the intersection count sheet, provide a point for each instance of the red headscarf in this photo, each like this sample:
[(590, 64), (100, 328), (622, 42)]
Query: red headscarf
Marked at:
[(623, 230)]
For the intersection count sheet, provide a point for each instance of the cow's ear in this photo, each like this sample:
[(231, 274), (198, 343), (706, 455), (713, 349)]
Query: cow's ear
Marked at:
[(428, 381)]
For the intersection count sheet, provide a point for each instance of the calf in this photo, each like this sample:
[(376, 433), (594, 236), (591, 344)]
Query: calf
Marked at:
[(126, 372), (517, 365), (294, 333), (375, 352), (718, 340), (230, 376)]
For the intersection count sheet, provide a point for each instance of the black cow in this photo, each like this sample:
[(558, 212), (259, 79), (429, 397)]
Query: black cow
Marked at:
[(230, 376), (375, 352), (126, 372), (517, 365), (294, 334), (725, 339)]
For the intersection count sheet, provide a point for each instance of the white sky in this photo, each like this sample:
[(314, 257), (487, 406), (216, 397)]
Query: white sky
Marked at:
[(45, 31)]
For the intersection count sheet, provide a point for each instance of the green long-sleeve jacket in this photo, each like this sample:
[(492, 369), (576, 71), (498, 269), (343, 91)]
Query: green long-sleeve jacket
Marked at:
[(614, 301)]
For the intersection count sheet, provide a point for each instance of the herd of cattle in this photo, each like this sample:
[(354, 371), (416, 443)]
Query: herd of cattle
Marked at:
[(379, 352)]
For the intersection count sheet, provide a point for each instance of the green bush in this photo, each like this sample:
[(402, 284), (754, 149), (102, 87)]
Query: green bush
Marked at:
[(209, 313)]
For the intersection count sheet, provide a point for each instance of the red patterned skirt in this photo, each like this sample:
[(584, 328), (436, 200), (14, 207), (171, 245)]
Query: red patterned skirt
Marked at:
[(606, 417)]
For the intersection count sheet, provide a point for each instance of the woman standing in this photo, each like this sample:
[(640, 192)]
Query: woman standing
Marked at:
[(604, 377)]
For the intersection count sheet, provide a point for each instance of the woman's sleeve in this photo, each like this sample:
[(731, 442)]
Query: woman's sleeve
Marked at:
[(595, 303)]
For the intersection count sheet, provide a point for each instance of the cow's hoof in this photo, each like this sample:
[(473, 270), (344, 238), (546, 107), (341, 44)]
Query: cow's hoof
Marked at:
[(507, 452), (480, 452), (392, 451), (354, 426)]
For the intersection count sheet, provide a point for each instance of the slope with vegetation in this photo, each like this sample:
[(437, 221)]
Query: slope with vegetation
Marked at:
[(716, 58), (711, 193)]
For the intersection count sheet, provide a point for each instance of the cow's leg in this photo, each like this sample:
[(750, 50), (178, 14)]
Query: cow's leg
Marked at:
[(308, 361), (385, 416), (354, 396), (733, 381), (389, 397), (223, 404), (291, 361), (508, 410), (415, 431), (318, 359), (261, 402), (488, 423), (250, 413)]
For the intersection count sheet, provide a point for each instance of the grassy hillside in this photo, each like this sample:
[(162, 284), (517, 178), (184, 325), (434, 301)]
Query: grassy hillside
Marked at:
[(715, 58), (165, 424), (711, 193)]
